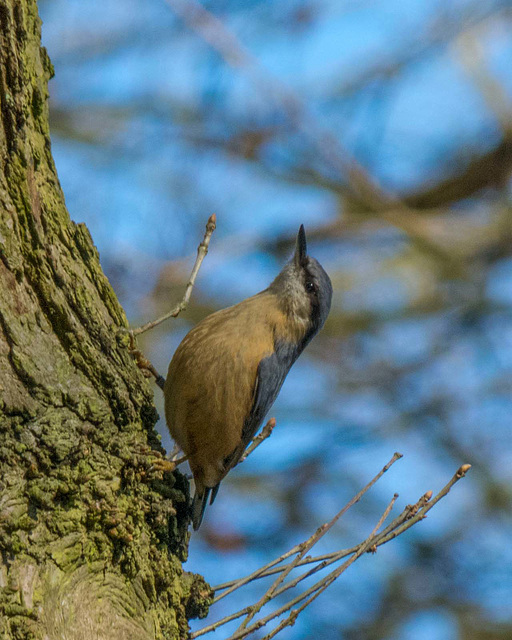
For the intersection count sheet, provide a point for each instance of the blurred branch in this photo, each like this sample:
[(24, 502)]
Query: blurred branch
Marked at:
[(409, 517), (484, 171), (440, 33), (472, 58), (369, 195), (213, 31)]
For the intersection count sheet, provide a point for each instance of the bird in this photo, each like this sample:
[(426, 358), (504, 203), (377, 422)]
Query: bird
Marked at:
[(228, 370)]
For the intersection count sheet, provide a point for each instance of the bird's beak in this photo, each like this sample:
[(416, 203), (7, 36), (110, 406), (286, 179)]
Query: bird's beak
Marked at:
[(301, 247)]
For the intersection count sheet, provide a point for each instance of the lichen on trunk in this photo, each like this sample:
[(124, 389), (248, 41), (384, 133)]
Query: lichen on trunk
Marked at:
[(92, 533)]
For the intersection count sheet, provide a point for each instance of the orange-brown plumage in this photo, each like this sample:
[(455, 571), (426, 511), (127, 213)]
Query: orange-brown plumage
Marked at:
[(228, 370), (204, 416)]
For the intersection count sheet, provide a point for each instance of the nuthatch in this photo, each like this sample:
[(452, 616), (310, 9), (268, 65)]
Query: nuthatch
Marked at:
[(227, 372)]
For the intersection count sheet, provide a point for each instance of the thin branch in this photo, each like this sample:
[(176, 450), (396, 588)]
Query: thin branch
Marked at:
[(319, 586), (257, 440), (202, 250), (359, 550), (265, 573), (259, 573), (408, 518), (328, 580), (368, 544), (329, 558), (325, 561), (422, 512), (303, 547)]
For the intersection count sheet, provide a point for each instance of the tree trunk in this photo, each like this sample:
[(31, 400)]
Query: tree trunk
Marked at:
[(92, 534)]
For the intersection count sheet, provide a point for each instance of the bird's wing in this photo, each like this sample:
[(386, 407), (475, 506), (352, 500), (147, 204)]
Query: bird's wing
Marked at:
[(270, 376)]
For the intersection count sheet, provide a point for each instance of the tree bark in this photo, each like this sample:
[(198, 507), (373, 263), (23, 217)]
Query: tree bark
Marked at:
[(92, 534)]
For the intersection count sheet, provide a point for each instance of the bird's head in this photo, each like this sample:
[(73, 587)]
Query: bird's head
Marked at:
[(304, 289)]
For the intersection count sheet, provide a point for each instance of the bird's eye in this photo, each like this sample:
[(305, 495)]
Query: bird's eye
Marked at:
[(310, 286)]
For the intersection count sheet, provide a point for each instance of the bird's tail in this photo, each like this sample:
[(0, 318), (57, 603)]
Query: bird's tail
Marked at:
[(199, 504)]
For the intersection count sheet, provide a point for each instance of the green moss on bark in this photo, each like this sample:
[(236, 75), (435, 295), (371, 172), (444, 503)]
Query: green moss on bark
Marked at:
[(92, 534)]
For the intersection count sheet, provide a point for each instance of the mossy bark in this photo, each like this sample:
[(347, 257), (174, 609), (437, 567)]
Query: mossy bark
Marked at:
[(92, 535)]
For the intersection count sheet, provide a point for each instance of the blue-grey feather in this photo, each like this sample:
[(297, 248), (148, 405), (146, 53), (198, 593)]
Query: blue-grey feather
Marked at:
[(273, 369), (198, 506), (321, 303), (271, 375)]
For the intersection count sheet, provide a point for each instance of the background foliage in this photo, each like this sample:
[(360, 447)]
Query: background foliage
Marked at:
[(153, 130)]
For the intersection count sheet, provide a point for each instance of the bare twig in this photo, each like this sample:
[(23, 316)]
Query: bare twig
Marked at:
[(322, 585), (408, 518), (259, 573), (306, 546), (265, 572), (303, 548), (328, 558), (202, 250), (331, 558), (257, 440), (423, 510), (361, 548), (314, 590)]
